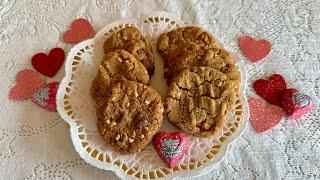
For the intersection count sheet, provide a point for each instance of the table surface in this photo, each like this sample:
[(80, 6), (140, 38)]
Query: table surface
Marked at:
[(36, 144)]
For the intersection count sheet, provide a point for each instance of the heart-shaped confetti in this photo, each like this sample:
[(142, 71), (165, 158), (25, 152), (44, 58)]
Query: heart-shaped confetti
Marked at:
[(27, 82), (271, 90), (48, 65), (171, 147), (80, 30), (46, 97), (263, 116), (254, 50), (295, 103)]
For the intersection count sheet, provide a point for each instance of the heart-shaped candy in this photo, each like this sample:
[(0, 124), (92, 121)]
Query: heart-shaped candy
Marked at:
[(80, 30), (27, 82), (271, 90), (48, 65), (171, 147), (263, 116), (46, 97), (295, 103), (254, 50)]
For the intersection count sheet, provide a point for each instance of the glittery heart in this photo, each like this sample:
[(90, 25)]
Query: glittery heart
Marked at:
[(263, 116), (48, 65), (171, 147), (80, 30), (296, 104), (46, 97), (254, 50), (27, 82), (271, 90)]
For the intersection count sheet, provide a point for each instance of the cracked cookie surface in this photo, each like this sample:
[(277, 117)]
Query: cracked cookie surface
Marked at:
[(217, 58), (131, 40), (115, 67), (175, 43), (132, 114), (199, 99)]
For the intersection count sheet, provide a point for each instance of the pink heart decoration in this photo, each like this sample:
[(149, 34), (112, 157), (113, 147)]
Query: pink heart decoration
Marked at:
[(171, 147), (254, 50), (263, 116), (46, 97), (27, 82), (80, 30)]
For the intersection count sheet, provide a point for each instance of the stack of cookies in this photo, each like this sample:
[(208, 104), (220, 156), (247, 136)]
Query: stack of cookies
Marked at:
[(129, 111), (203, 84), (203, 80)]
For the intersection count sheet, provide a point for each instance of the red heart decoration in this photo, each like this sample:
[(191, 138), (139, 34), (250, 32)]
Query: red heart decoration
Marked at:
[(80, 30), (271, 90), (171, 147), (27, 82), (48, 65), (254, 50), (46, 97), (296, 104), (262, 116)]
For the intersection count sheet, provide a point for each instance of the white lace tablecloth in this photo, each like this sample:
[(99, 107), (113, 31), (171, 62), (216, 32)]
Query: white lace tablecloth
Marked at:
[(35, 144)]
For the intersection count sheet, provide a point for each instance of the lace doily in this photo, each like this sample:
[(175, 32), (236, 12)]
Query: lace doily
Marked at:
[(77, 108)]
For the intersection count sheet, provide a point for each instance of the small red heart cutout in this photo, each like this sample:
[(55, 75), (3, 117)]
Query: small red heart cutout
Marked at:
[(271, 90), (48, 65), (263, 116), (171, 147), (295, 103), (254, 50), (46, 97), (80, 30), (27, 82)]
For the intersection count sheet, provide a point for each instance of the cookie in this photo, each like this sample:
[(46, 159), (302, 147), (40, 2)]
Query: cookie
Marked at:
[(115, 67), (177, 42), (131, 40), (217, 58), (199, 99), (132, 114)]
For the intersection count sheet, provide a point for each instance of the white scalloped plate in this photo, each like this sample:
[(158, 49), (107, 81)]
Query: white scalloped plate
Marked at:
[(76, 107)]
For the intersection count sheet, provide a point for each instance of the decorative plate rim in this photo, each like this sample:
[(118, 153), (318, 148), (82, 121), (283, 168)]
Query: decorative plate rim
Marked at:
[(110, 166)]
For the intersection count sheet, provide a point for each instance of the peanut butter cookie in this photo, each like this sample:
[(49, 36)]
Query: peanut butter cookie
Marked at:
[(131, 40), (130, 116), (175, 43), (199, 99), (117, 66), (217, 58)]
